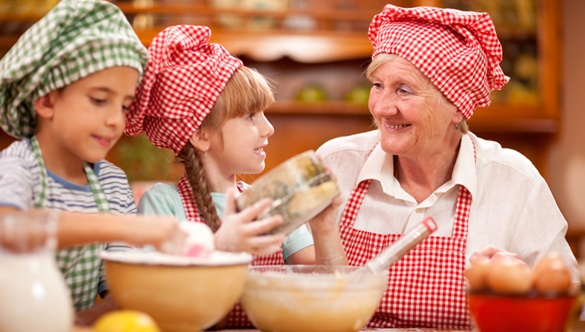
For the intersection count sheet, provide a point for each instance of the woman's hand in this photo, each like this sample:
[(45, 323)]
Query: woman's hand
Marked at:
[(242, 232), (328, 247), (326, 221)]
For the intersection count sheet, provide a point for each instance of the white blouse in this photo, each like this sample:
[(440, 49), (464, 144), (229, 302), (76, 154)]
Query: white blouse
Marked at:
[(512, 206)]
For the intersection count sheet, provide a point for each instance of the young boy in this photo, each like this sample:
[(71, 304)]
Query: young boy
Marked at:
[(64, 89)]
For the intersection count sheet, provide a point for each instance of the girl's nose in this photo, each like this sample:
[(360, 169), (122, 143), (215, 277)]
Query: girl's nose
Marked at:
[(267, 129)]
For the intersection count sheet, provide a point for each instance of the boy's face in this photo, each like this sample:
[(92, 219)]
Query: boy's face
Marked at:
[(88, 116)]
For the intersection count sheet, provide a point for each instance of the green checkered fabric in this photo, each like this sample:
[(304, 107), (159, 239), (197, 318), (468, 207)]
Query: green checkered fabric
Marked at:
[(42, 197), (75, 39), (81, 265)]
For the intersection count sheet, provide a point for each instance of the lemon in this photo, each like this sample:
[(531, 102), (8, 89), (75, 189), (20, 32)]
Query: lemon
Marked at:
[(125, 321)]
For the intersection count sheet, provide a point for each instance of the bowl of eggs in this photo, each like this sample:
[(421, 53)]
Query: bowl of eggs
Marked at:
[(505, 294), (300, 189), (311, 298)]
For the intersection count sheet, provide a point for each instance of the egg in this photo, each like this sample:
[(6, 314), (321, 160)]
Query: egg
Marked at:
[(552, 275), (200, 240), (477, 272), (509, 275)]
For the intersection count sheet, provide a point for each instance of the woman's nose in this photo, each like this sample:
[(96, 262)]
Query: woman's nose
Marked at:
[(382, 105)]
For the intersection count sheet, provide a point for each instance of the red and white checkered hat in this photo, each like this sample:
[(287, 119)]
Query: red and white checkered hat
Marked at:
[(184, 76), (458, 51)]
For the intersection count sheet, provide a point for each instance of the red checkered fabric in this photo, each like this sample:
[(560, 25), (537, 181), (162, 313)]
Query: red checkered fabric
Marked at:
[(458, 51), (426, 287), (237, 318), (184, 76), (186, 193)]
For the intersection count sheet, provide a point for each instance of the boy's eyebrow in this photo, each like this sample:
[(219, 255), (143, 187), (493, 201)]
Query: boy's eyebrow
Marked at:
[(109, 90)]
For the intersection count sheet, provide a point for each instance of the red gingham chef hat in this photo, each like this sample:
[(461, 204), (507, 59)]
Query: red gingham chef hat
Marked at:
[(184, 76), (458, 51)]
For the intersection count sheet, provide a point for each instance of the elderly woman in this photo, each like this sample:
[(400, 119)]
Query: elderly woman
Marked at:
[(431, 69)]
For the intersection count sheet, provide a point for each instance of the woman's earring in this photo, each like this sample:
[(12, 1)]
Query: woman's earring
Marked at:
[(458, 125)]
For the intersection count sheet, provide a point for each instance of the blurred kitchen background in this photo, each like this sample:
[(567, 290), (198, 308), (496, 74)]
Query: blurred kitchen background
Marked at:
[(315, 51)]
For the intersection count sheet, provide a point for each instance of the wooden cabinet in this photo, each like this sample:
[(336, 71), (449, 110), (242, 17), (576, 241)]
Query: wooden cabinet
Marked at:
[(300, 43)]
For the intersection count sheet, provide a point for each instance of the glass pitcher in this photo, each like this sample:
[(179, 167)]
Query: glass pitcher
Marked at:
[(33, 293)]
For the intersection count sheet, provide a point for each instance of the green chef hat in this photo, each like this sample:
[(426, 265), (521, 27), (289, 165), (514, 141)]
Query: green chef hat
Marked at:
[(74, 40)]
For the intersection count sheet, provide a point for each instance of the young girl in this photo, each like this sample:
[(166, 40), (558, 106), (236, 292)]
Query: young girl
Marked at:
[(202, 103)]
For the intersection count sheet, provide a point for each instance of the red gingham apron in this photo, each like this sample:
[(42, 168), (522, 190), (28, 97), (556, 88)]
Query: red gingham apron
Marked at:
[(237, 317), (426, 288)]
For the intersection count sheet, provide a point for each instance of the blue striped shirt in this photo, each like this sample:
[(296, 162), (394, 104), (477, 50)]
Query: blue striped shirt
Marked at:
[(20, 185)]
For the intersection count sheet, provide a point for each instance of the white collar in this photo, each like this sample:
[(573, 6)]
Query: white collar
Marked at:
[(380, 166)]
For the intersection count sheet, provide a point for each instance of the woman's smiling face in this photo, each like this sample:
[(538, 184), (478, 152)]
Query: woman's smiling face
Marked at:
[(413, 116)]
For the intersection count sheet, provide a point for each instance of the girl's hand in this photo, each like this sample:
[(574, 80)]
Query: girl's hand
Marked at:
[(242, 232)]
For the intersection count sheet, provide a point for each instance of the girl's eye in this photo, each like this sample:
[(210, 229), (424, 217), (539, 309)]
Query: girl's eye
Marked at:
[(126, 109), (250, 116)]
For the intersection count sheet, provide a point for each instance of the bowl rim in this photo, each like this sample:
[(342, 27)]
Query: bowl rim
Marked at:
[(153, 258), (531, 295), (302, 270)]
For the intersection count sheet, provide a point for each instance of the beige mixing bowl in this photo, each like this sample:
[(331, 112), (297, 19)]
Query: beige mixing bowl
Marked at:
[(300, 188), (179, 293), (311, 298)]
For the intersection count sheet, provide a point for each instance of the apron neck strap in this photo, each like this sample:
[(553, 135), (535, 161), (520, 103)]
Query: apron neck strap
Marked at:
[(100, 198)]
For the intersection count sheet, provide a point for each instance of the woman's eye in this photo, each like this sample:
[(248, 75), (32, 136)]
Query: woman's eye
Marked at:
[(377, 85), (402, 90)]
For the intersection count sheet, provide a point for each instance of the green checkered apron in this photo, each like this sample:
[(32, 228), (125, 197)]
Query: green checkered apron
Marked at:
[(81, 265)]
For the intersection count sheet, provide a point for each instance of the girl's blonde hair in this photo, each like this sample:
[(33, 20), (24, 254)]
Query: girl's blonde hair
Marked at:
[(383, 58), (246, 92)]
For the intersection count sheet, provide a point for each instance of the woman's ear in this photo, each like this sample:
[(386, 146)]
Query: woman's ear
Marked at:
[(457, 118), (45, 105), (201, 140)]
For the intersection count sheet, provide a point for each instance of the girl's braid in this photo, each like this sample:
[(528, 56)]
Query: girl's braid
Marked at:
[(191, 159)]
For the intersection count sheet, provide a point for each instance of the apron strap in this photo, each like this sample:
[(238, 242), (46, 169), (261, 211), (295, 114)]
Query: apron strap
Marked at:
[(101, 200)]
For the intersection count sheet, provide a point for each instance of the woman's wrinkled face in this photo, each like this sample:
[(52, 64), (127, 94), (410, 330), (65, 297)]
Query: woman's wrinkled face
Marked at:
[(412, 115)]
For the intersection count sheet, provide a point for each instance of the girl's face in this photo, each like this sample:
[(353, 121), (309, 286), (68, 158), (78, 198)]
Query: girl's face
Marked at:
[(238, 148), (86, 118), (413, 116)]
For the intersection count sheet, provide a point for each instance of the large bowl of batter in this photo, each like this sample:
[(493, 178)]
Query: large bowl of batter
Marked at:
[(311, 297)]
